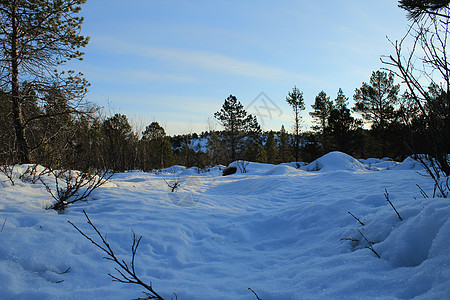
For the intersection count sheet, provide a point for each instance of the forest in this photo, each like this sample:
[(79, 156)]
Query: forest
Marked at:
[(62, 134), (46, 118)]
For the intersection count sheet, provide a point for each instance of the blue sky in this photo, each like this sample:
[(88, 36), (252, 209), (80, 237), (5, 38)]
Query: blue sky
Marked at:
[(175, 62)]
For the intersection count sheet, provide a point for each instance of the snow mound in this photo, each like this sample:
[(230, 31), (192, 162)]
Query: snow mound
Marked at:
[(335, 161), (173, 169), (377, 164), (247, 167), (283, 170), (409, 164)]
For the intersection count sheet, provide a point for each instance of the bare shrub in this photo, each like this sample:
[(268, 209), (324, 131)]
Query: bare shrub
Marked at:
[(73, 186), (435, 171), (173, 185), (32, 174), (242, 165), (8, 171)]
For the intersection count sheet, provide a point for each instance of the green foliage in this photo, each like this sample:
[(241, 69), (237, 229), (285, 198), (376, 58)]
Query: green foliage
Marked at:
[(341, 125), (322, 108), (238, 124), (418, 8), (156, 149), (271, 148), (284, 147), (119, 143), (36, 37), (47, 33), (295, 100), (376, 100)]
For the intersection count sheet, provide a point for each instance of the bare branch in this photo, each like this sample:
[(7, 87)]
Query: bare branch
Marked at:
[(127, 275), (356, 218), (386, 194), (369, 244), (257, 297)]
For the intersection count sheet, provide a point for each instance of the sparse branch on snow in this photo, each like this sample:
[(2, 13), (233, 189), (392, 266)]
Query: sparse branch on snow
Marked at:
[(370, 247), (127, 273), (173, 186), (356, 218), (256, 295), (386, 194), (3, 226)]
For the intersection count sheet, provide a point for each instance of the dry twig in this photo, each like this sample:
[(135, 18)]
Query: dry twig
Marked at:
[(356, 218), (257, 297), (126, 272), (387, 199), (370, 245)]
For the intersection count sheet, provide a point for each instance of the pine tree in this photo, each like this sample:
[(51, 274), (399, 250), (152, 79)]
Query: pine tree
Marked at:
[(157, 147), (341, 124), (376, 102), (237, 124), (37, 36), (119, 143), (322, 108), (429, 32), (284, 148), (418, 8), (295, 100), (271, 148)]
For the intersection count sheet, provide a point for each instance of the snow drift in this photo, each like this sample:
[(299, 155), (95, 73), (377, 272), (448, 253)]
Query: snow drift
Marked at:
[(284, 232), (335, 161)]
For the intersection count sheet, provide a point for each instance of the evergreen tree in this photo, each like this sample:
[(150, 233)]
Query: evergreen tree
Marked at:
[(284, 148), (376, 102), (119, 143), (157, 150), (271, 148), (322, 108), (419, 8), (216, 150), (341, 124), (37, 36), (295, 100), (6, 129), (237, 123)]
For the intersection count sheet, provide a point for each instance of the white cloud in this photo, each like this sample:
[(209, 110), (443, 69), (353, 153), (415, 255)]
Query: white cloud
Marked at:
[(115, 75), (200, 59)]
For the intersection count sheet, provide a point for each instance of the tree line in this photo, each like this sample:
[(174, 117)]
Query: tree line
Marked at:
[(46, 119)]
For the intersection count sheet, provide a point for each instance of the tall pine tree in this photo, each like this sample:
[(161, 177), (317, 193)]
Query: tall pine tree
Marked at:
[(295, 100), (376, 101), (37, 36), (322, 108), (237, 123)]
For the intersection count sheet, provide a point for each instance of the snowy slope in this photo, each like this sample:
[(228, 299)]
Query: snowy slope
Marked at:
[(275, 229)]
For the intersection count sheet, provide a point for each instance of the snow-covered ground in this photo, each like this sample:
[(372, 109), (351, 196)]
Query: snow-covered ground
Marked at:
[(284, 232)]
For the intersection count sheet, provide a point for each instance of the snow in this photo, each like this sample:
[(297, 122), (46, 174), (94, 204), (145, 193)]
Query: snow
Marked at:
[(282, 231), (335, 161)]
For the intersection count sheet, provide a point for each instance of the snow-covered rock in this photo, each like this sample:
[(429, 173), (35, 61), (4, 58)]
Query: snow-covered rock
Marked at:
[(335, 161)]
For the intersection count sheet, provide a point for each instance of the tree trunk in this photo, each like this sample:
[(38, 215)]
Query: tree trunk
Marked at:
[(23, 154)]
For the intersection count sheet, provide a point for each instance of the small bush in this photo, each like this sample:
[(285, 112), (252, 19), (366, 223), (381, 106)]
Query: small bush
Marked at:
[(73, 186)]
